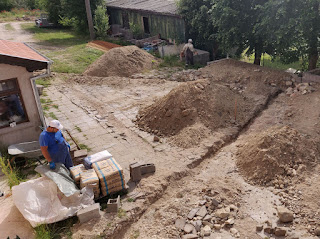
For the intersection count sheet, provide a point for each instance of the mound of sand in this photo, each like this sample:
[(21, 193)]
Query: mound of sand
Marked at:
[(213, 105), (122, 61), (275, 154)]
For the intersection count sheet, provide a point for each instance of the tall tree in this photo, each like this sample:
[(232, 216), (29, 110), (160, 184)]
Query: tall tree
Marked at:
[(238, 23), (296, 29)]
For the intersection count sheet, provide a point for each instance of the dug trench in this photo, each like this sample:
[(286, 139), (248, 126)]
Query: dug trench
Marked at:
[(186, 183)]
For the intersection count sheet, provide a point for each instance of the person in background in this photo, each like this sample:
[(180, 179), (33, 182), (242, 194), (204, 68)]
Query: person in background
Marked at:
[(54, 147), (188, 51)]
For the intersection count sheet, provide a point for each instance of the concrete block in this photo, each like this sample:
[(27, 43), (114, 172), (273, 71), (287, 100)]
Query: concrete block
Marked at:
[(88, 213), (135, 172), (113, 205), (148, 168)]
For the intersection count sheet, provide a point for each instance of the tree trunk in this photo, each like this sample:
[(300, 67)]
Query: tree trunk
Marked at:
[(257, 58), (313, 59)]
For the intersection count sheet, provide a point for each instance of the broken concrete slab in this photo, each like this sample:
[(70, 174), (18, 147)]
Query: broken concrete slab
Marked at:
[(88, 213)]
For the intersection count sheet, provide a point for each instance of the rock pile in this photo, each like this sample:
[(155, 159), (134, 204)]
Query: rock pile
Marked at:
[(211, 215), (299, 89)]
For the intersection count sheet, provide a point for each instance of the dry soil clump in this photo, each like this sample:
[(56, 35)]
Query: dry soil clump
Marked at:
[(213, 105), (122, 61), (275, 154)]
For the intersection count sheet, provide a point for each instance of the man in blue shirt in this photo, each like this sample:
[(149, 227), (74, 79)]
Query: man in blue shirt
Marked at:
[(54, 147)]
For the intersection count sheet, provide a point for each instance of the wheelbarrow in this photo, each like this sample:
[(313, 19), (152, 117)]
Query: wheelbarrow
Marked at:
[(26, 150)]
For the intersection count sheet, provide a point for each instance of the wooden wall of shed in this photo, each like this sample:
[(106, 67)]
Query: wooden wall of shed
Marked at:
[(169, 27)]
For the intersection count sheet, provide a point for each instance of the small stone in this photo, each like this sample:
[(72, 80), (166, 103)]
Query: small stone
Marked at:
[(285, 215), (202, 202), (197, 225), (222, 213), (190, 236), (269, 230), (230, 221), (206, 231), (233, 208), (207, 224), (192, 213), (280, 231), (317, 231), (202, 212), (156, 139), (207, 218), (234, 232), (214, 202), (289, 83), (180, 223), (259, 228), (217, 227), (188, 228)]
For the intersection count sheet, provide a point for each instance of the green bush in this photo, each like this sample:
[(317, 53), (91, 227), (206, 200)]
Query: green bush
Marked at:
[(101, 21), (136, 30)]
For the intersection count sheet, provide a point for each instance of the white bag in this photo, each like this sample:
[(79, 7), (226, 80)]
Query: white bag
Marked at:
[(88, 161), (40, 201)]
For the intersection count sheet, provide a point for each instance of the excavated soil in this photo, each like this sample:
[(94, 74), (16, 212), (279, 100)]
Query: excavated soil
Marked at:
[(275, 154), (122, 61)]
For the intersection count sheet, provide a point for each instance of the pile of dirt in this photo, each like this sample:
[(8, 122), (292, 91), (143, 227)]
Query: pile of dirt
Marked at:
[(275, 154), (122, 61), (233, 71), (213, 105)]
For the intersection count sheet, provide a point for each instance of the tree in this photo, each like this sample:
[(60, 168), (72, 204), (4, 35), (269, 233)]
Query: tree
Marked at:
[(239, 27), (296, 29), (5, 5), (198, 25), (101, 21)]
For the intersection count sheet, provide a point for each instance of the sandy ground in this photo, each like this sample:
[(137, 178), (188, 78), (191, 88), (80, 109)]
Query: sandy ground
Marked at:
[(18, 34)]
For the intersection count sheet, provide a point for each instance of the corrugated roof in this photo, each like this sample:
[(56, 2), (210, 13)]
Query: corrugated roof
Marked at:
[(157, 6), (20, 50)]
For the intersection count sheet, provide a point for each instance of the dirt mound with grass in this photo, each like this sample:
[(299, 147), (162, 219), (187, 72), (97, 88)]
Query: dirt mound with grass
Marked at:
[(122, 61), (215, 106), (275, 154)]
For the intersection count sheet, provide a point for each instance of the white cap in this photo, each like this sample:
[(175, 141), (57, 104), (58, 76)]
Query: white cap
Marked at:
[(56, 124), (190, 40)]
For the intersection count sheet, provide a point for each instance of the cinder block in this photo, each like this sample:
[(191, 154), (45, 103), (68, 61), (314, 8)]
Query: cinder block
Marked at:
[(148, 168), (113, 205), (88, 213), (135, 172)]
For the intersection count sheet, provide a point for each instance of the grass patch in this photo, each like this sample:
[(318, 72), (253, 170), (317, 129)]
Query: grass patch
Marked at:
[(174, 61), (9, 27), (55, 230), (55, 106), (121, 213), (130, 200), (53, 116), (15, 13), (44, 81), (13, 175), (268, 61), (71, 55), (78, 128), (135, 234), (84, 146)]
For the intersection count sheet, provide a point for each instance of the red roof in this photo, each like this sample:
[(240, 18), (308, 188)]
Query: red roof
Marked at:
[(20, 50)]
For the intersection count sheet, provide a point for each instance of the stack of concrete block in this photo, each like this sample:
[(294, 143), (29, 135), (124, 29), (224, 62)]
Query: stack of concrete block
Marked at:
[(110, 175), (137, 170), (90, 178)]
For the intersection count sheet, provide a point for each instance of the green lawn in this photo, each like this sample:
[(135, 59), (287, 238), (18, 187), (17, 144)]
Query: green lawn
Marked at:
[(67, 49), (9, 27), (266, 60)]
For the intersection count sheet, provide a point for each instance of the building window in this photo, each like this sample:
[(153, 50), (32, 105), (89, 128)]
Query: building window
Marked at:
[(12, 110), (146, 25)]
